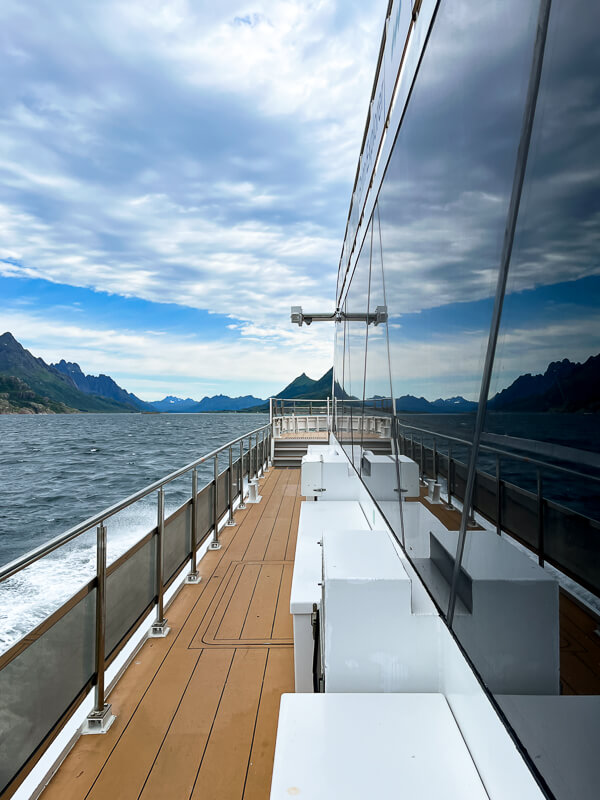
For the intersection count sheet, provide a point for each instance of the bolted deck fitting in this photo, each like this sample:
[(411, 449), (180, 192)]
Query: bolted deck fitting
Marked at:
[(159, 629), (99, 721)]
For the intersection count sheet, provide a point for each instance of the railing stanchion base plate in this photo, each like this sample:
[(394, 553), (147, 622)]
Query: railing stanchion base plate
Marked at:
[(99, 721)]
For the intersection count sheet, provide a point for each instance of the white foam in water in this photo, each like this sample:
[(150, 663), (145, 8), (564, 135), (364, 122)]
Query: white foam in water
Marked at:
[(29, 597), (61, 469)]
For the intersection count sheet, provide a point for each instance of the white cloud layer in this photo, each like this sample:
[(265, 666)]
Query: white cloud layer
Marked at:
[(197, 154)]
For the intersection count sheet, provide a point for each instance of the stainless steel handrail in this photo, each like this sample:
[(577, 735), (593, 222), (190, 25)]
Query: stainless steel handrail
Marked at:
[(26, 560), (499, 451)]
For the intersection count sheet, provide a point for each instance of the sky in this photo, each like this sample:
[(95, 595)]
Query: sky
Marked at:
[(442, 211), (173, 177)]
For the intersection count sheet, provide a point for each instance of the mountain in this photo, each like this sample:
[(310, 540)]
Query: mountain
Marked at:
[(455, 405), (174, 404), (564, 386), (46, 381), (102, 386), (220, 402), (17, 398), (310, 389)]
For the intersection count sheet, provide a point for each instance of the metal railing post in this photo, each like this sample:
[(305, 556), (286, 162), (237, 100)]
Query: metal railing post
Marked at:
[(449, 479), (215, 544), (193, 576), (159, 628), (230, 519), (435, 475), (242, 505), (498, 497), (100, 718), (540, 516)]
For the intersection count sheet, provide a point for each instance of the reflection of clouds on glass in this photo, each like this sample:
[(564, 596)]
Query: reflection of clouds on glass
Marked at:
[(444, 201), (558, 233)]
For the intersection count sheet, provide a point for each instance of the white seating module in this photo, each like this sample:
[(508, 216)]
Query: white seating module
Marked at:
[(385, 746)]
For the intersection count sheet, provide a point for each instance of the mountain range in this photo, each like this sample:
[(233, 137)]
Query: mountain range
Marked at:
[(29, 385)]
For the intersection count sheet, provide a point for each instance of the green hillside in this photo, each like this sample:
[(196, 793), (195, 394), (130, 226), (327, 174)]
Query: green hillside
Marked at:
[(16, 397), (46, 381)]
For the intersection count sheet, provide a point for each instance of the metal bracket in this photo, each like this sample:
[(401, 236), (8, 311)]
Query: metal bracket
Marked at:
[(98, 721), (214, 546), (379, 316), (159, 629), (193, 577)]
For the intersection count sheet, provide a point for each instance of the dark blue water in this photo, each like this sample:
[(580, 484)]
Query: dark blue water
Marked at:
[(56, 471)]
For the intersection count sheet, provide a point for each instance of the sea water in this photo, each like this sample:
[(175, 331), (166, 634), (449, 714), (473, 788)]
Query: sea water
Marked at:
[(56, 471)]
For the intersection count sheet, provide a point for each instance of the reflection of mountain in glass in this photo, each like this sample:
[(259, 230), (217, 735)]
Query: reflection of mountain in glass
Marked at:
[(565, 386)]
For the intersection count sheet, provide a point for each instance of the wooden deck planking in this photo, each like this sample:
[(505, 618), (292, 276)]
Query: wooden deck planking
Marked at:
[(190, 706), (278, 679), (222, 773), (174, 771)]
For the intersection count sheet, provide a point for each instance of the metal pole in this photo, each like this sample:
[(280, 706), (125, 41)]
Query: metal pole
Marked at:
[(260, 454), (498, 497), (159, 628), (242, 505), (230, 519), (449, 475), (193, 576), (422, 459), (328, 417), (434, 459), (509, 236), (100, 616), (540, 516), (100, 719), (215, 544)]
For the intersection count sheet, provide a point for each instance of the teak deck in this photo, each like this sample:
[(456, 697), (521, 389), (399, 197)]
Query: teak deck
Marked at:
[(197, 711)]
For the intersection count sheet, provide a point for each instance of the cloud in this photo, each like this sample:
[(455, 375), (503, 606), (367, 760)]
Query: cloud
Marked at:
[(195, 154), (152, 363)]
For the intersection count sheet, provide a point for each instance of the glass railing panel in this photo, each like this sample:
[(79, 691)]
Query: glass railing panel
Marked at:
[(205, 512), (42, 681), (130, 590), (178, 540)]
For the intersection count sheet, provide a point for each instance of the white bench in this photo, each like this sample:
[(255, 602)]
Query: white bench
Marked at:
[(307, 577), (385, 746)]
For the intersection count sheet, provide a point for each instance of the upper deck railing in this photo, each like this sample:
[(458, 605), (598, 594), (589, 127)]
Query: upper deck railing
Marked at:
[(47, 674)]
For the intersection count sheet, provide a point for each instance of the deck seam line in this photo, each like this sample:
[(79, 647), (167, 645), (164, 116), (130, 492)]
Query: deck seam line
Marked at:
[(241, 572), (262, 686), (277, 601), (243, 564), (211, 575), (275, 518), (212, 724), (170, 723), (261, 516)]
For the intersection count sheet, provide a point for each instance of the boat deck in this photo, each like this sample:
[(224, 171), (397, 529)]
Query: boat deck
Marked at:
[(197, 711)]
